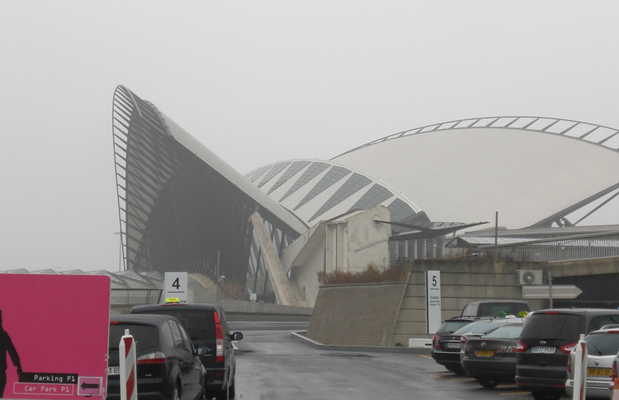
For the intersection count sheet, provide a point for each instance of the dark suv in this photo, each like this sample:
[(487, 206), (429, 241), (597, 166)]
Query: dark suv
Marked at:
[(495, 308), (207, 327), (545, 344), (167, 364)]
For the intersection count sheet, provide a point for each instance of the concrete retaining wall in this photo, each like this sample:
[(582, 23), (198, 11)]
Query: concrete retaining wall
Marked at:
[(356, 314), (238, 310), (596, 266), (246, 311), (462, 282)]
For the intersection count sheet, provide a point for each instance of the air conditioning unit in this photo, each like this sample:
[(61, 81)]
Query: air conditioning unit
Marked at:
[(530, 276)]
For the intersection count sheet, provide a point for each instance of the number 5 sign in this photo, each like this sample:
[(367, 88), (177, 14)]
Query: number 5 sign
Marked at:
[(175, 285), (433, 301)]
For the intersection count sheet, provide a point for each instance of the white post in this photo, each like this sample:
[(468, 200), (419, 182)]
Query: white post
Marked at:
[(580, 370), (128, 367)]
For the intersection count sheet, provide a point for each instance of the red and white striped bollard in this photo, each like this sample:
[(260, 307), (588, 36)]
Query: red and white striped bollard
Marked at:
[(128, 367), (614, 386), (580, 370)]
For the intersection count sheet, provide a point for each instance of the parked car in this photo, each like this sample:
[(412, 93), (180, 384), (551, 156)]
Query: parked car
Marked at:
[(208, 329), (449, 354), (440, 351), (491, 359), (168, 366), (546, 341), (602, 347), (495, 308)]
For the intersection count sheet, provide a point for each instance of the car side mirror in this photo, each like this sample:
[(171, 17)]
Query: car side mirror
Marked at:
[(236, 336)]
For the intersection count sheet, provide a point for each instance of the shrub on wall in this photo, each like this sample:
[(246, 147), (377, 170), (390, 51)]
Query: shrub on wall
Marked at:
[(371, 274)]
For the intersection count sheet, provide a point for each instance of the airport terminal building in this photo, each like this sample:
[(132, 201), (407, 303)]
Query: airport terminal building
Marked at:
[(429, 190)]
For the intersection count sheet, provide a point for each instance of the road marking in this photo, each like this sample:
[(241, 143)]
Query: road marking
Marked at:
[(424, 356)]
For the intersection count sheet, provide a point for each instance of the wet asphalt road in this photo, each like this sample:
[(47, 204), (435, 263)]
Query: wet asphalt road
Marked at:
[(272, 365)]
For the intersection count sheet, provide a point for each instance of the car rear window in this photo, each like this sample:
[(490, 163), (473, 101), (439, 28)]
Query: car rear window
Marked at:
[(603, 344), (553, 326), (199, 324), (452, 326), (477, 327), (146, 336), (506, 332), (501, 309)]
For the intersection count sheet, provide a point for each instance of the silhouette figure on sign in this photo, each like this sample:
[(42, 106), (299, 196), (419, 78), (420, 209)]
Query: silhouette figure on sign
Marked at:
[(6, 346)]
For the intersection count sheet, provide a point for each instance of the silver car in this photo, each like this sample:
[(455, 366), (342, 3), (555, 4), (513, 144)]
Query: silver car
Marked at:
[(602, 346)]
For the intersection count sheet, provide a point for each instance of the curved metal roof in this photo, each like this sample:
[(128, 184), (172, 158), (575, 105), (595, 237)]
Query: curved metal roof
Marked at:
[(317, 190), (466, 169), (588, 132)]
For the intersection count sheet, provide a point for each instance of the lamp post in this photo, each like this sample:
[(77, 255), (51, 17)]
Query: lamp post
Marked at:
[(220, 282)]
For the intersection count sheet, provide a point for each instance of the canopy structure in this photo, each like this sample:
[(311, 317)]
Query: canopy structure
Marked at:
[(535, 171)]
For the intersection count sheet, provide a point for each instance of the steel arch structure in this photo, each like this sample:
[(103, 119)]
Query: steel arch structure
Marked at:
[(579, 208), (568, 128)]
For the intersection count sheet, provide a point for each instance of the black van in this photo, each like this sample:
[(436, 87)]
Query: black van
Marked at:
[(495, 308), (208, 330), (546, 341)]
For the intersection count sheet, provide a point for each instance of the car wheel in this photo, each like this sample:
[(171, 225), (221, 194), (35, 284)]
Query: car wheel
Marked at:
[(546, 395), (176, 394), (231, 390), (223, 395), (457, 370), (488, 383)]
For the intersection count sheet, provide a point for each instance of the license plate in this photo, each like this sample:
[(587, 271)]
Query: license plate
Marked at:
[(452, 345), (599, 371), (113, 370), (484, 353), (543, 349)]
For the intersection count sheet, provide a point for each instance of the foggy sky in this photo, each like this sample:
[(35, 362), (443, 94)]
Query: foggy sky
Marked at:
[(261, 81)]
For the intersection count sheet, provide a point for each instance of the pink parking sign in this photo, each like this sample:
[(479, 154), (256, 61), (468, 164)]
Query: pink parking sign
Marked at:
[(54, 336)]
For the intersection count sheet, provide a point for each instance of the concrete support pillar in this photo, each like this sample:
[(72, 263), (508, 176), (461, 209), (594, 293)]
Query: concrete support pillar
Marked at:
[(285, 292), (431, 248), (440, 246), (413, 247)]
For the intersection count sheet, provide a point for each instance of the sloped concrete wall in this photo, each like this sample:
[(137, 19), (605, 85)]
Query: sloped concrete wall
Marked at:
[(356, 314)]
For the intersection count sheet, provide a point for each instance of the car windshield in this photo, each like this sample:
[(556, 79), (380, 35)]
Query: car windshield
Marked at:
[(506, 332), (603, 344), (501, 309), (551, 325), (452, 326), (146, 336), (477, 327), (199, 324)]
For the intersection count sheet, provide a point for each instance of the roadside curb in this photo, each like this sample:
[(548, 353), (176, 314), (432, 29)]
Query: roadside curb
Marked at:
[(300, 335)]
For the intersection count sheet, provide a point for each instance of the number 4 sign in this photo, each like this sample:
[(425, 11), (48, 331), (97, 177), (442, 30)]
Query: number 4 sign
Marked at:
[(175, 285)]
